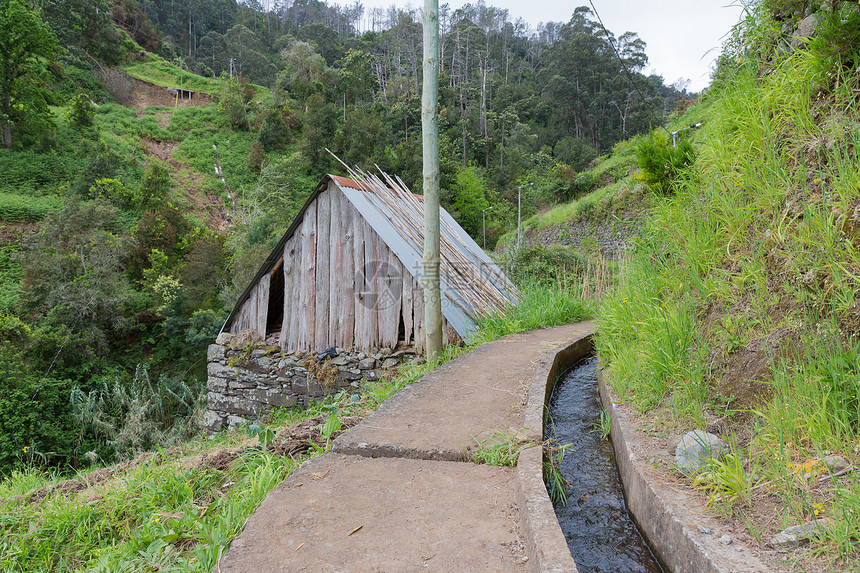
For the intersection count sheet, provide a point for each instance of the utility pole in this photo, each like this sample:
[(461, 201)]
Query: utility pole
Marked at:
[(484, 225), (430, 144), (520, 212)]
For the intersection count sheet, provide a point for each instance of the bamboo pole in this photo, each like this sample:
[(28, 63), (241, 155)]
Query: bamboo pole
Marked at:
[(430, 136)]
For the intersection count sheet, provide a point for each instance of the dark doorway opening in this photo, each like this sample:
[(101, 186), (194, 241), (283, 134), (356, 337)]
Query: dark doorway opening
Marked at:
[(275, 313)]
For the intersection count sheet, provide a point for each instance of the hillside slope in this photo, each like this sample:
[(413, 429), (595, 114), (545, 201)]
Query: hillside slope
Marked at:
[(738, 311)]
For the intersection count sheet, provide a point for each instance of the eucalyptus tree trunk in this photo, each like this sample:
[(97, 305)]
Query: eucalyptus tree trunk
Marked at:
[(430, 138)]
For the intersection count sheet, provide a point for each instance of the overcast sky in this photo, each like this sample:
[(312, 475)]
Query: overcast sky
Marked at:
[(683, 37)]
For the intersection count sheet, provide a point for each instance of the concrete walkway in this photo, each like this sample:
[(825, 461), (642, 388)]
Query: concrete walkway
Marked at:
[(394, 494)]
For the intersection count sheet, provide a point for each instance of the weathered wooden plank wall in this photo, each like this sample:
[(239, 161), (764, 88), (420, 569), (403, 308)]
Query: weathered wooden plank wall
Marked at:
[(295, 293), (360, 311), (391, 304), (346, 313), (262, 305), (342, 286), (335, 265), (369, 326), (321, 339), (406, 308), (308, 279), (290, 271), (245, 319)]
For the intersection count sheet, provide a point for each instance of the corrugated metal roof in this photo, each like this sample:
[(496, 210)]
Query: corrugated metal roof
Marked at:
[(471, 283)]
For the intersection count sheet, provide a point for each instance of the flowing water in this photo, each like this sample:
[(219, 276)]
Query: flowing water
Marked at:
[(601, 535)]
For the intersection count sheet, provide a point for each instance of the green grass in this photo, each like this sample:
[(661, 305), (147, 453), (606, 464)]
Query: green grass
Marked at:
[(156, 70), (501, 448), (161, 514), (539, 307), (753, 260)]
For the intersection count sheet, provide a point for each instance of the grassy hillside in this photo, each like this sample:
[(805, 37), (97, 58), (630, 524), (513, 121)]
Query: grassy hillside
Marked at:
[(608, 188), (738, 311)]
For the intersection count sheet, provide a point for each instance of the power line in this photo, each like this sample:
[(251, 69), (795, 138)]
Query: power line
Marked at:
[(626, 70)]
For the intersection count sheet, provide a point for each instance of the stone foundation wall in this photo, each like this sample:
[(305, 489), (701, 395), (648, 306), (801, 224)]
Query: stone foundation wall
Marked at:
[(246, 382)]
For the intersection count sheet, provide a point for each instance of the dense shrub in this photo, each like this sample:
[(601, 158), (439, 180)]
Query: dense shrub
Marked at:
[(544, 265), (113, 191), (274, 132), (25, 208), (569, 184), (102, 162), (661, 162), (81, 112), (154, 187), (10, 278), (35, 416), (132, 416)]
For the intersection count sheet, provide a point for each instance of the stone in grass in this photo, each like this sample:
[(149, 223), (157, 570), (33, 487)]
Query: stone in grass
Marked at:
[(834, 464), (696, 448), (390, 363), (794, 536)]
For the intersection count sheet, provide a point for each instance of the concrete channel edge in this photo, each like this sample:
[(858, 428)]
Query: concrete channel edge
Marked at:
[(546, 546), (662, 515), (671, 535)]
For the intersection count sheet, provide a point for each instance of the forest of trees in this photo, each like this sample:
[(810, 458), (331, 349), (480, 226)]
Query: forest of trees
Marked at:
[(562, 86)]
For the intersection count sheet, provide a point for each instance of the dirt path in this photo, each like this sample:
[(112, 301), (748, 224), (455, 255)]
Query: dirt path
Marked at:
[(202, 201), (394, 494)]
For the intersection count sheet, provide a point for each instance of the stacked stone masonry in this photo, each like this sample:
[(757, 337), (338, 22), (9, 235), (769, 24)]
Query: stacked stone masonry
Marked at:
[(246, 382)]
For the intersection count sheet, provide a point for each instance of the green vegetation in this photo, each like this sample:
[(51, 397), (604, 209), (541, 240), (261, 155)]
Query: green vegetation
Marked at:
[(538, 307), (739, 305), (154, 69), (661, 162), (26, 45), (26, 208), (504, 448), (163, 513), (177, 508), (501, 448)]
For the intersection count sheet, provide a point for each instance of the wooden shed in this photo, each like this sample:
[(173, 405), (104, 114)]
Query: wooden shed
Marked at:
[(348, 273)]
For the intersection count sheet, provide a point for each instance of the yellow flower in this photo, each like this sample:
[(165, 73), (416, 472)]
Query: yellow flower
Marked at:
[(625, 299), (817, 180), (818, 508), (25, 448)]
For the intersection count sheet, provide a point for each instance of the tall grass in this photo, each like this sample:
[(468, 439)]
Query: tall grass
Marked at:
[(539, 307), (755, 255), (158, 516)]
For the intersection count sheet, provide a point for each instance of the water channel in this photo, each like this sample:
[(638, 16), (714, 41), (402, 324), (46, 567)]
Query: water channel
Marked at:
[(600, 533)]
